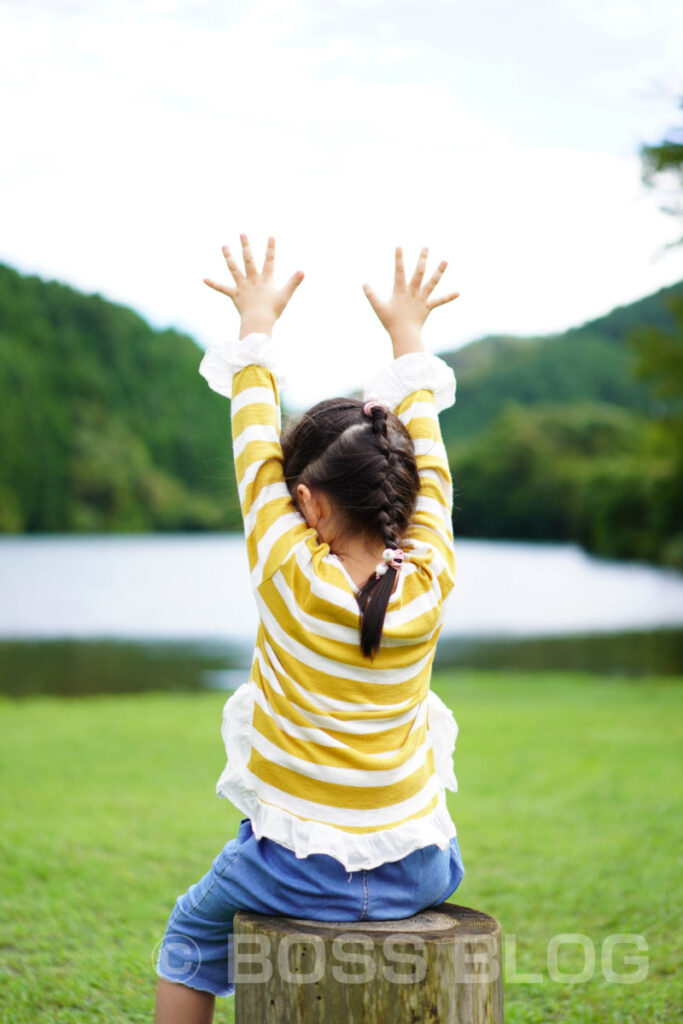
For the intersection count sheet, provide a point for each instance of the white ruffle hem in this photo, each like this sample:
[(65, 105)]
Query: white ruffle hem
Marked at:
[(303, 836)]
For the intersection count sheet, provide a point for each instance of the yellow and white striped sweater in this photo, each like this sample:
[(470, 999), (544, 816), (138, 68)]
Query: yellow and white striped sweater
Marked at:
[(329, 752)]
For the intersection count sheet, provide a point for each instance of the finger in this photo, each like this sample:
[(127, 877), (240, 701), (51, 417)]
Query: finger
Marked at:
[(223, 288), (232, 265), (416, 279), (440, 302), (289, 289), (372, 298), (249, 265), (399, 274), (269, 262), (435, 278)]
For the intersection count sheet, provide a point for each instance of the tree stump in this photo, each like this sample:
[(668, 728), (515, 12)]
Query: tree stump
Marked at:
[(444, 964)]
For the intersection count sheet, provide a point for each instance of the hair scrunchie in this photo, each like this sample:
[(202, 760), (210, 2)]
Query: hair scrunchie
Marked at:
[(375, 403), (392, 558)]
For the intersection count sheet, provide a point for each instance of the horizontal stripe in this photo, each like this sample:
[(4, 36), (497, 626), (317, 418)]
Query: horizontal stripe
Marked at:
[(251, 396), (368, 830), (418, 410), (373, 818), (322, 628), (330, 602), (422, 396), (254, 376), (259, 453), (336, 748), (337, 738), (338, 796), (328, 770), (347, 698), (343, 717), (418, 618), (286, 725), (290, 528), (255, 516), (361, 830), (336, 645), (257, 433), (338, 672)]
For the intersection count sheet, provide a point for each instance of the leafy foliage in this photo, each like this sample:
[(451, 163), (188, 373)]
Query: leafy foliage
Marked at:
[(661, 164), (607, 473), (591, 362), (105, 423)]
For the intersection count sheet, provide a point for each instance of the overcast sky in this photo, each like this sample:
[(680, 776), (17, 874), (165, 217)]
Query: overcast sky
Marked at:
[(138, 136)]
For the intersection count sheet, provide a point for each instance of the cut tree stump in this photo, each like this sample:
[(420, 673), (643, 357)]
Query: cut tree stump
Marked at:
[(444, 964)]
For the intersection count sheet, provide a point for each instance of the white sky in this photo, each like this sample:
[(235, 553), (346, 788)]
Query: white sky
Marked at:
[(140, 135)]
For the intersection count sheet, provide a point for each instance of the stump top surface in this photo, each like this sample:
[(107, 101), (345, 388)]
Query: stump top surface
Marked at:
[(444, 922)]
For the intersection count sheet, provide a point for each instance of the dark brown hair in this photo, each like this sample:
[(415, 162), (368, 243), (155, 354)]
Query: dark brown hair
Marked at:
[(366, 465)]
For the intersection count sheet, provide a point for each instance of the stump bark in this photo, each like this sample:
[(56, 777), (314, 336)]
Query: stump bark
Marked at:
[(442, 965)]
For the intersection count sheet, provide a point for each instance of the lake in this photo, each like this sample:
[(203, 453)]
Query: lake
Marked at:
[(103, 613)]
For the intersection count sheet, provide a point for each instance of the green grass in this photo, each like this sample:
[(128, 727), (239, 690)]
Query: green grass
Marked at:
[(568, 816)]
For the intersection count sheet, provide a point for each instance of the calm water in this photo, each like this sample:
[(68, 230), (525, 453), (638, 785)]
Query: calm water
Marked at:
[(118, 612)]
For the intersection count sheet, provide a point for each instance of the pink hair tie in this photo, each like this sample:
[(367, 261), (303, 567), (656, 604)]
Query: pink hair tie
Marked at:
[(375, 403), (391, 558)]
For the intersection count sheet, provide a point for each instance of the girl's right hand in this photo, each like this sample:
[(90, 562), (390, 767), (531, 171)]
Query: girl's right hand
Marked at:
[(404, 314)]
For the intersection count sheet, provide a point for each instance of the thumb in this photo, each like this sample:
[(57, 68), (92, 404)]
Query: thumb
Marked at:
[(291, 286), (372, 298)]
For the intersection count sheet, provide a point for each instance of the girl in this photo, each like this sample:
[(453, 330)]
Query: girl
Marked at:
[(338, 752)]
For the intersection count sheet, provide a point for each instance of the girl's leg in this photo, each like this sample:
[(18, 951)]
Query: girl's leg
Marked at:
[(178, 1004), (194, 957)]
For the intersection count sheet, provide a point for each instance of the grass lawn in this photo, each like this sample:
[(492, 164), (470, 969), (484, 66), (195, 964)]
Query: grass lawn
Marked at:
[(568, 817)]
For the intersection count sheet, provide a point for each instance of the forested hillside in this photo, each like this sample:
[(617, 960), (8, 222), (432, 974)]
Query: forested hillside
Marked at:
[(105, 424), (575, 437), (593, 362)]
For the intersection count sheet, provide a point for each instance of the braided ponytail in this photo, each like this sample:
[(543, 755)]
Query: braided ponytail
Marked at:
[(366, 464), (374, 596)]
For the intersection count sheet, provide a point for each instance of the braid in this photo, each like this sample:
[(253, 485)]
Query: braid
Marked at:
[(391, 520), (390, 514), (365, 463)]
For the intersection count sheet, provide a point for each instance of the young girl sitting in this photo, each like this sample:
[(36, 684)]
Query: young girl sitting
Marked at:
[(338, 752)]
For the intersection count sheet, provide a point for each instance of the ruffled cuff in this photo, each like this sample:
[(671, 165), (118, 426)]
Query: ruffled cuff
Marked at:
[(222, 362), (414, 372)]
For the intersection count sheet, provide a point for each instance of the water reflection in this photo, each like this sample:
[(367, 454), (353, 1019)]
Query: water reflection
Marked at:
[(85, 667)]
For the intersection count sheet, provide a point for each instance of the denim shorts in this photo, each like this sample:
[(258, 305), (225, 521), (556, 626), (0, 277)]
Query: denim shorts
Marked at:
[(264, 877)]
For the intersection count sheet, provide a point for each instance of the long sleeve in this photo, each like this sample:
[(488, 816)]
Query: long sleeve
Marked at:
[(418, 386), (247, 371)]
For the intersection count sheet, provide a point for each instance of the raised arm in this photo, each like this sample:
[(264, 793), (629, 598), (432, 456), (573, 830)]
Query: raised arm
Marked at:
[(246, 371), (417, 386)]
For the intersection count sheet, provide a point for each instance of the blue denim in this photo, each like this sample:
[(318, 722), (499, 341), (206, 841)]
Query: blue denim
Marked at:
[(261, 876)]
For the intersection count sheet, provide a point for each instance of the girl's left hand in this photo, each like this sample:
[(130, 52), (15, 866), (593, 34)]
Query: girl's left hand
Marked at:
[(254, 293)]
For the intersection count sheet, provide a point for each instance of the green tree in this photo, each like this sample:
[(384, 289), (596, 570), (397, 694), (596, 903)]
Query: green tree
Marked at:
[(662, 167), (105, 423), (659, 351)]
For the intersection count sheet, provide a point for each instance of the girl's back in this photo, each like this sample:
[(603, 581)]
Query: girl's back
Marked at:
[(328, 750)]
